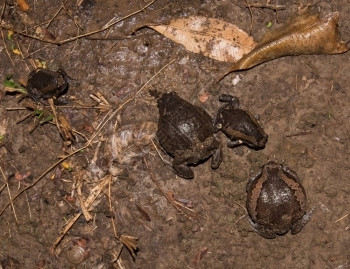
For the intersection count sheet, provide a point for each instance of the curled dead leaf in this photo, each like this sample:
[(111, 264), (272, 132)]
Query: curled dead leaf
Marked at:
[(303, 34), (213, 38), (23, 5)]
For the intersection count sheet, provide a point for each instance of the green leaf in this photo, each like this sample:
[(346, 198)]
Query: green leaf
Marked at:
[(38, 113), (47, 119), (10, 83)]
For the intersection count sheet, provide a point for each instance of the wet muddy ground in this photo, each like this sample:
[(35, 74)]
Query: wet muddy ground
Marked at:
[(302, 103)]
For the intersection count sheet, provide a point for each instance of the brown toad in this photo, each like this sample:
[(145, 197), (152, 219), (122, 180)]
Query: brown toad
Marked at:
[(276, 201), (239, 126), (186, 132), (45, 84)]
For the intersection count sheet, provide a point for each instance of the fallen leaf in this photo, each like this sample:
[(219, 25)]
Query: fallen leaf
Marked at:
[(213, 38), (303, 34), (23, 5)]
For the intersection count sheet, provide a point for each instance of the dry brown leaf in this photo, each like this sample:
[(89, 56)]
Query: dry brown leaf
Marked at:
[(23, 5), (303, 34), (213, 38)]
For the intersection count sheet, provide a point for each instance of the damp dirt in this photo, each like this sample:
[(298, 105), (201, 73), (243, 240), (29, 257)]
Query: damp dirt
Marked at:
[(302, 103)]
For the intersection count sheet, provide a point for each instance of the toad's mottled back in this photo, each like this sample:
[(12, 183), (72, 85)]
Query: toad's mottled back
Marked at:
[(239, 125), (44, 83), (276, 201)]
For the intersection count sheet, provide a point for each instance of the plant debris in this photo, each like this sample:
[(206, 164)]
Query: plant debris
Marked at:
[(23, 5)]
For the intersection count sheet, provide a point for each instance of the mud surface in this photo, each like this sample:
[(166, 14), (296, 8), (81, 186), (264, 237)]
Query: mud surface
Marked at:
[(302, 102)]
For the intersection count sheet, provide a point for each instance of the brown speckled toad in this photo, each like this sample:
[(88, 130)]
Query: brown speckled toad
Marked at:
[(239, 125), (45, 84), (276, 201)]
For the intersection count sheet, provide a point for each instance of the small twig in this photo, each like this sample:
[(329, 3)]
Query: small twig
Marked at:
[(74, 20), (25, 117), (156, 11), (2, 12), (32, 53), (159, 187), (9, 192), (30, 211), (56, 14), (116, 235), (104, 28), (160, 156), (79, 2), (15, 108), (83, 208), (239, 219), (251, 17), (188, 212), (7, 52), (343, 217), (66, 228), (267, 5), (245, 210), (22, 55), (3, 186)]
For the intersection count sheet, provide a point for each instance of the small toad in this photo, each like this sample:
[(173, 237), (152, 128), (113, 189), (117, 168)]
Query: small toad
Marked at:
[(276, 201), (187, 133), (240, 126), (45, 84)]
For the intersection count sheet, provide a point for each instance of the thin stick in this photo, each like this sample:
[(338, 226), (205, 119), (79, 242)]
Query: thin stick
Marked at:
[(159, 187), (239, 219), (2, 12), (267, 5), (3, 186), (9, 192), (74, 20), (64, 231), (7, 52), (160, 156), (107, 26), (343, 217), (30, 211), (32, 53), (56, 14), (251, 17), (115, 231)]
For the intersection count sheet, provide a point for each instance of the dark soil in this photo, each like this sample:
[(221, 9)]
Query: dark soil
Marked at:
[(302, 102)]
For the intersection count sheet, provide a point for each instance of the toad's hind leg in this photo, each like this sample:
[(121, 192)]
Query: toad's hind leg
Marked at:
[(182, 170), (298, 225), (264, 232)]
